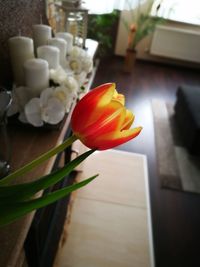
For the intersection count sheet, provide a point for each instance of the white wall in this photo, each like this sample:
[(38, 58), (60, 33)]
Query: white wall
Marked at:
[(122, 35)]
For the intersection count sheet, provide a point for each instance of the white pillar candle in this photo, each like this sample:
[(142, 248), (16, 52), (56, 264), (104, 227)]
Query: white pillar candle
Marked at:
[(41, 34), (68, 37), (51, 54), (36, 75), (62, 46), (21, 49)]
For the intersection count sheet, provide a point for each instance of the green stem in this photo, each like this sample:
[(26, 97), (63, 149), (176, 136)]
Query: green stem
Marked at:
[(38, 160)]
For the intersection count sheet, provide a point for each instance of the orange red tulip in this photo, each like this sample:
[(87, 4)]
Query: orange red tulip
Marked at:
[(100, 119)]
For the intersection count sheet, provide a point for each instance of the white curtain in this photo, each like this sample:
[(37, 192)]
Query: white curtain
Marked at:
[(181, 10), (107, 6)]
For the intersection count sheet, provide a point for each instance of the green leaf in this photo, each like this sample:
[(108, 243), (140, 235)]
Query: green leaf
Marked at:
[(38, 160), (27, 190), (9, 212)]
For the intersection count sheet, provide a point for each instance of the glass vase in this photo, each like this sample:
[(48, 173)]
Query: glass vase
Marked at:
[(5, 102)]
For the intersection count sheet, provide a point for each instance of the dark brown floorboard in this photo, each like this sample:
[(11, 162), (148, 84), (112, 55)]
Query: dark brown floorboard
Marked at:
[(175, 215)]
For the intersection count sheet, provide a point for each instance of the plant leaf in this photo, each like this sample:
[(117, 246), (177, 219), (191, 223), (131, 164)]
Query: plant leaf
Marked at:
[(10, 211), (27, 190), (38, 160)]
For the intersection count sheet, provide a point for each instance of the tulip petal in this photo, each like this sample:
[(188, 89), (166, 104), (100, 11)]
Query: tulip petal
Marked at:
[(112, 139), (119, 97), (128, 120), (107, 123), (91, 106), (110, 113)]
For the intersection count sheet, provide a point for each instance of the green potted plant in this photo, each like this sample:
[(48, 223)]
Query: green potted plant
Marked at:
[(142, 24), (103, 28)]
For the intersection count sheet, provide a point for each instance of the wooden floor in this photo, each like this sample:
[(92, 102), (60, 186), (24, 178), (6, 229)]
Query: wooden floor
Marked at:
[(175, 215)]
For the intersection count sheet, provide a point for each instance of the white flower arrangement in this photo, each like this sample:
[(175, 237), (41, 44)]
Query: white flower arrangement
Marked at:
[(54, 102), (80, 63), (46, 108)]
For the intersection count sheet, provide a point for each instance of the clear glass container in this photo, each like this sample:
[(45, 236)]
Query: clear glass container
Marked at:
[(5, 102), (74, 26)]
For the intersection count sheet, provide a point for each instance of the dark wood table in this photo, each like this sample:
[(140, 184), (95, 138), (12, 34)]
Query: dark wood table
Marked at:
[(27, 144)]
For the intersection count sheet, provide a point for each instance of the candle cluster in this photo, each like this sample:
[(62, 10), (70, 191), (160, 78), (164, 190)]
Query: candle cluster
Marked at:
[(37, 64)]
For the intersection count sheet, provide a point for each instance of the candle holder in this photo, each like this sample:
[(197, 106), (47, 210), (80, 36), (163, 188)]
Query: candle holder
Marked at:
[(72, 19), (76, 24), (5, 101)]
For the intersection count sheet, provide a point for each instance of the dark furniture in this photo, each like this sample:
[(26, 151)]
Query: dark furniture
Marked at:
[(187, 114), (43, 238), (43, 229)]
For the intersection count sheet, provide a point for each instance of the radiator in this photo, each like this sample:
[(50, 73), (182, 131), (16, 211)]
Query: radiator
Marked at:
[(176, 43)]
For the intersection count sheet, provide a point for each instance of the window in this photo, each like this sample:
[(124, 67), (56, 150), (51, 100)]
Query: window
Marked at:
[(107, 6), (187, 11)]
